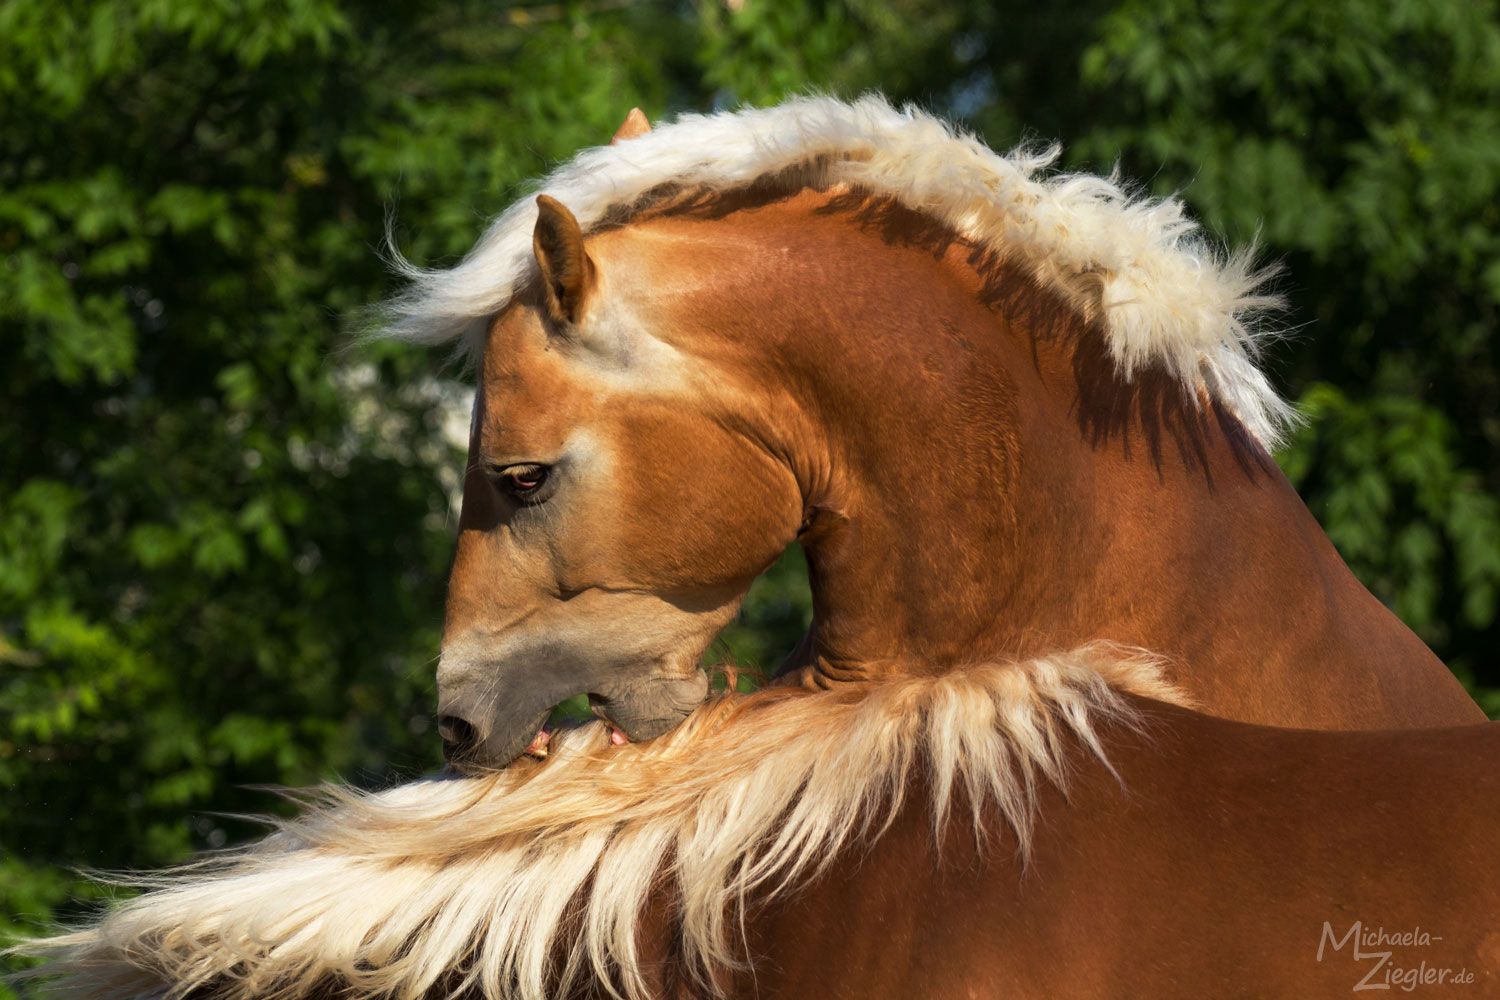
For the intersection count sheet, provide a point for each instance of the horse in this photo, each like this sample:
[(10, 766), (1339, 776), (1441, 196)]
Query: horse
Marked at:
[(1004, 412), (930, 819), (1054, 827)]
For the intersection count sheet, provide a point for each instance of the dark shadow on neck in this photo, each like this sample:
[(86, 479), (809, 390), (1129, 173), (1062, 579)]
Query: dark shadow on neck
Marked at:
[(1165, 410)]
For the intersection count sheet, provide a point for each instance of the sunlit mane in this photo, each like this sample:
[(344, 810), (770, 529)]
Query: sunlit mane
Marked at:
[(1164, 296), (466, 886)]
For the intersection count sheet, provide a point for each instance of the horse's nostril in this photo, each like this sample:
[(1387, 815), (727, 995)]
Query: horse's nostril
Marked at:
[(459, 737)]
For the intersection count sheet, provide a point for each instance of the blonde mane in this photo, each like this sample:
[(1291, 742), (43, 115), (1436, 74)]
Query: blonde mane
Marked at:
[(1163, 296), (476, 886)]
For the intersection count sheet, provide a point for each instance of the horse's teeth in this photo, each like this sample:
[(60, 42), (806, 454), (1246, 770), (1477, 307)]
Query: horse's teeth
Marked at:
[(538, 747)]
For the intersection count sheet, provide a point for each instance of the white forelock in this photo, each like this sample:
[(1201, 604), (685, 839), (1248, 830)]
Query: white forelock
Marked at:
[(445, 888), (1165, 296)]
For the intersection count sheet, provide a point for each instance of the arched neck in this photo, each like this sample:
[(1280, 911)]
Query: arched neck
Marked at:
[(999, 491), (983, 484)]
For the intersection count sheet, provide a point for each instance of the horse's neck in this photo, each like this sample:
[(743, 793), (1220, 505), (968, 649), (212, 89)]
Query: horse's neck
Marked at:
[(995, 489)]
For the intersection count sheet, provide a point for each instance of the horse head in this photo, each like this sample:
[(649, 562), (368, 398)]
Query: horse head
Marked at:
[(614, 514)]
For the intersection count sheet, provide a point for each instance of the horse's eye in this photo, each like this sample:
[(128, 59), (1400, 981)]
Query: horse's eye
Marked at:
[(526, 483)]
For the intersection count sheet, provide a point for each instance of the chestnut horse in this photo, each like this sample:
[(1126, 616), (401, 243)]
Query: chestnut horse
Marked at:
[(1049, 828), (933, 408), (1004, 414)]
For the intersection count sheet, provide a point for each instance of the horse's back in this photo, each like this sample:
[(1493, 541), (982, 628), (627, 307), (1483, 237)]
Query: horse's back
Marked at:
[(1227, 860)]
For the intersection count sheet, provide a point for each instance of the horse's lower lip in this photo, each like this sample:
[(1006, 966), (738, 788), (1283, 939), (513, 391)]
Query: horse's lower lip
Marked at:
[(617, 735)]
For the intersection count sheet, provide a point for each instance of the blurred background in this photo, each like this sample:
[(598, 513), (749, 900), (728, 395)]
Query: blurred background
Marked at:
[(224, 529)]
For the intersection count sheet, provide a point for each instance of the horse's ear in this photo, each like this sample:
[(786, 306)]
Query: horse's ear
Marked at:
[(567, 272), (635, 124)]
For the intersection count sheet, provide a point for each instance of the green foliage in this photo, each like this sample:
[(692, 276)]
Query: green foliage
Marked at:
[(776, 613), (223, 530)]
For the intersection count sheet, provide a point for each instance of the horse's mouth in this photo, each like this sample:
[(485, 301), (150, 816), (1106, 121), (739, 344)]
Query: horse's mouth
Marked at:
[(489, 732), (460, 742), (537, 748)]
